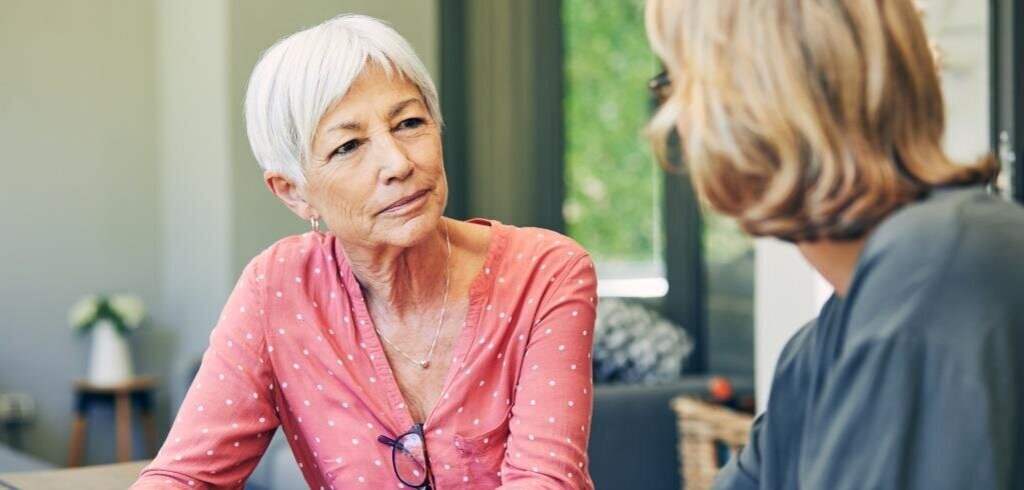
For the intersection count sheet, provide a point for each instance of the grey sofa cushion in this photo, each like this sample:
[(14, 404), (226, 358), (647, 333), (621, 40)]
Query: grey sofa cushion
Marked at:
[(633, 438)]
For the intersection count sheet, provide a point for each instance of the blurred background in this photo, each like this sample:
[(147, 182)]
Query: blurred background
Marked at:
[(126, 169)]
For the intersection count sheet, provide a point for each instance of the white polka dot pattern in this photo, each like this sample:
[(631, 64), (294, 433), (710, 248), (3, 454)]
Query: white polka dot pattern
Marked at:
[(514, 414)]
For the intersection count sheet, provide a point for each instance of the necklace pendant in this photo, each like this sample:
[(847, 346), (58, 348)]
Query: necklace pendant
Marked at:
[(424, 364)]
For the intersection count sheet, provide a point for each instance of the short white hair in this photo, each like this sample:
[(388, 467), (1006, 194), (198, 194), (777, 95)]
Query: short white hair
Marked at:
[(298, 78)]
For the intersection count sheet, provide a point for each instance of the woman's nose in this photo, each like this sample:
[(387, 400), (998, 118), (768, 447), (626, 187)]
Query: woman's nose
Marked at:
[(393, 161)]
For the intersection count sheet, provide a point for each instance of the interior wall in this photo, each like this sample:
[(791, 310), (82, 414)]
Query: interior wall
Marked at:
[(79, 209), (195, 164)]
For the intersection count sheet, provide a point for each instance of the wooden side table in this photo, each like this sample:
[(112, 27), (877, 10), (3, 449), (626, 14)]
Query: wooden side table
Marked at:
[(137, 391)]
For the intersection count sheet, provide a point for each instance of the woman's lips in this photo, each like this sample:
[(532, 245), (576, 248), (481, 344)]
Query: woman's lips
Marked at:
[(406, 202)]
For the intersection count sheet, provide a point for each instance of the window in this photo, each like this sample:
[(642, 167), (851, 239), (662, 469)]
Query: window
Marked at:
[(616, 195), (613, 199)]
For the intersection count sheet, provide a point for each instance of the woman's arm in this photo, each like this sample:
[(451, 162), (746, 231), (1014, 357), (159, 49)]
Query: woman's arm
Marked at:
[(550, 424), (227, 418)]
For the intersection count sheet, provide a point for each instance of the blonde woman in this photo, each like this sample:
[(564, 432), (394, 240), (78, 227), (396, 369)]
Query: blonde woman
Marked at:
[(820, 122)]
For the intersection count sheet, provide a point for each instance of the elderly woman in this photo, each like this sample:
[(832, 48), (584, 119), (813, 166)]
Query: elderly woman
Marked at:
[(820, 122), (398, 348)]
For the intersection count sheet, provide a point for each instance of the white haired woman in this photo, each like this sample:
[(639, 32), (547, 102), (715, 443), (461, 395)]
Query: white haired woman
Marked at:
[(399, 348), (820, 122)]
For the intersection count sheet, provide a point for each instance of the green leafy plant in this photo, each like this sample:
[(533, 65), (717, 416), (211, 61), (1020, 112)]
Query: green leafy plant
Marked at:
[(124, 311)]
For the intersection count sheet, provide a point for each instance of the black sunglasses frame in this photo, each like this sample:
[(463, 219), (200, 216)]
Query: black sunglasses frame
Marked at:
[(417, 430)]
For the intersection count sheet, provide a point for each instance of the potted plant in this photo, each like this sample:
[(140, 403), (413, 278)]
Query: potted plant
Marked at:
[(109, 318)]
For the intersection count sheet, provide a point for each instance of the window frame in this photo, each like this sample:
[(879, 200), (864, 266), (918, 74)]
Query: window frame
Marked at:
[(1006, 50)]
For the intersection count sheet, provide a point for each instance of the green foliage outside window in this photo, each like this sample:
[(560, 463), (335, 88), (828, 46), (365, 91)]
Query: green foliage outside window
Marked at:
[(613, 186)]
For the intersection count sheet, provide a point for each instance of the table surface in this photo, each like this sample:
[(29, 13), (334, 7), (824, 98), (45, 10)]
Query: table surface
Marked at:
[(99, 477), (137, 383)]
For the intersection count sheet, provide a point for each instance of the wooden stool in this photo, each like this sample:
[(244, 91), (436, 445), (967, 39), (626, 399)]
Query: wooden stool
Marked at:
[(136, 391)]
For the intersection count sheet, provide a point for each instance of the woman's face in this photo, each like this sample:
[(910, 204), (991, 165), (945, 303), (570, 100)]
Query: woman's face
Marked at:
[(376, 172)]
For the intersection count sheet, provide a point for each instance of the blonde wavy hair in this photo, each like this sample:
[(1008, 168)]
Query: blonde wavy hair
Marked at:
[(804, 119)]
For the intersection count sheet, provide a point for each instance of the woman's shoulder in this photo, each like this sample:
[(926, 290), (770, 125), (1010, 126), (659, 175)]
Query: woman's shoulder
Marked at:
[(293, 257), (947, 220), (531, 259), (542, 244), (951, 229), (945, 262)]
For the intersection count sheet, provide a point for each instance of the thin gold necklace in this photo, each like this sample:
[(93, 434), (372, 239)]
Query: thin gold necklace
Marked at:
[(444, 305)]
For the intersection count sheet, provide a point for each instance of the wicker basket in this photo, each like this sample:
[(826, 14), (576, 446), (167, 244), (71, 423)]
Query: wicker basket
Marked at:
[(704, 428)]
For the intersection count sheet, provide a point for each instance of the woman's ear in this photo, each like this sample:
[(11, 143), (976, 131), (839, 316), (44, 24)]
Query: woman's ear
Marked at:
[(289, 194)]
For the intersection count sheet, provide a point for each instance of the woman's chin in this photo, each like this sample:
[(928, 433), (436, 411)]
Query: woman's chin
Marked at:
[(407, 231)]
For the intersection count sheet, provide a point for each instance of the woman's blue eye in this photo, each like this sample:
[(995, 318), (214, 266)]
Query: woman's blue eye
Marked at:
[(411, 123), (347, 148)]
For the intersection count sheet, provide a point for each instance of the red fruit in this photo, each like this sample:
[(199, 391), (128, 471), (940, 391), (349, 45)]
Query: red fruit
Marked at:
[(720, 388)]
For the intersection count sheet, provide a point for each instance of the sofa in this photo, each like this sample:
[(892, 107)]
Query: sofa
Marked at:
[(633, 440)]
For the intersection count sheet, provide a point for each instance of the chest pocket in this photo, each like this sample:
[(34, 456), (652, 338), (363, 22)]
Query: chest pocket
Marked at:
[(481, 455)]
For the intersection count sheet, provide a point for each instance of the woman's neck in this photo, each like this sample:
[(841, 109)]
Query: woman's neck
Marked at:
[(401, 280), (835, 261)]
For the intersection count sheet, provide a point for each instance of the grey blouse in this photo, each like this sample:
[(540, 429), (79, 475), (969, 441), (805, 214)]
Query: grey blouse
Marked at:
[(915, 378)]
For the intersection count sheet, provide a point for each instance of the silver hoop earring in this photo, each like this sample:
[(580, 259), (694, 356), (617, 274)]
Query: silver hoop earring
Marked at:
[(315, 223)]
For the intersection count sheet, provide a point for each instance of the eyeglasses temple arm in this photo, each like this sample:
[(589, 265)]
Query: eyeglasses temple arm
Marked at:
[(389, 441)]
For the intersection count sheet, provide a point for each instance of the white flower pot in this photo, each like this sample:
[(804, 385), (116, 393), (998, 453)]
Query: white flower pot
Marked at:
[(110, 361)]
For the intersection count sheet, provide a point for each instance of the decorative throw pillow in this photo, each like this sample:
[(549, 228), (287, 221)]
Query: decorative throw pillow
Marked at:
[(634, 344)]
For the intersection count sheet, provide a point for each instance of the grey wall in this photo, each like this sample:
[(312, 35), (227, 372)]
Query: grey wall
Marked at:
[(125, 168), (78, 204)]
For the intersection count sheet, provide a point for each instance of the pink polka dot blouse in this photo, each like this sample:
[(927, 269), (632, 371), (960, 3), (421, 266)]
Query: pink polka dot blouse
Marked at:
[(296, 348)]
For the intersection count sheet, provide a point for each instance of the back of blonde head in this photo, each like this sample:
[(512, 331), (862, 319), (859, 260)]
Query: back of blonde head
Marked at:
[(804, 119)]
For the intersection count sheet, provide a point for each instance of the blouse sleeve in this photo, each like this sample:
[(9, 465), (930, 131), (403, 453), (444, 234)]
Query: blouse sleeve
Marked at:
[(742, 470), (550, 424), (227, 417)]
